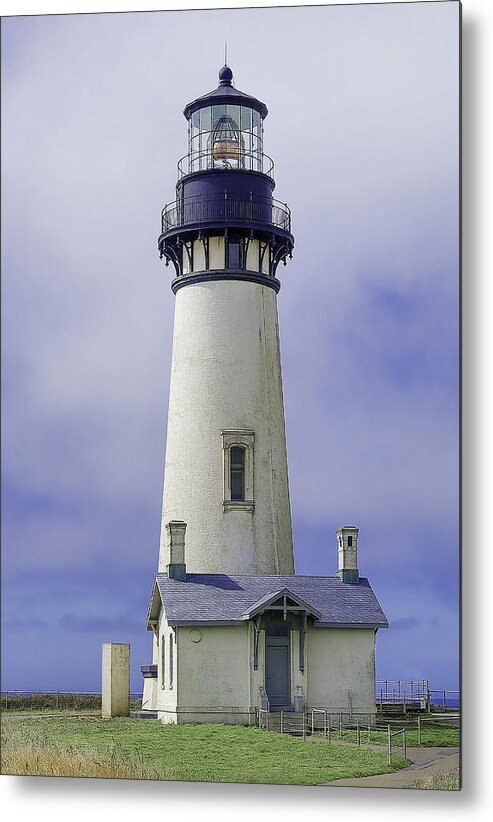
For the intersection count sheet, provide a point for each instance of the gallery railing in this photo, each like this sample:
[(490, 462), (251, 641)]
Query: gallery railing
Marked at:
[(213, 208)]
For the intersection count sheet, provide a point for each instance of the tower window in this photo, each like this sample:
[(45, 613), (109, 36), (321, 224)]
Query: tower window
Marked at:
[(238, 470), (349, 542), (234, 254), (237, 457)]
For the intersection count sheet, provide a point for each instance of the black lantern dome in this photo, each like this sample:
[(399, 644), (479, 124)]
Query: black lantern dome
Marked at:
[(225, 184)]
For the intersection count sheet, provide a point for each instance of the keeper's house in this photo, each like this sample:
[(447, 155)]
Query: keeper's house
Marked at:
[(226, 644)]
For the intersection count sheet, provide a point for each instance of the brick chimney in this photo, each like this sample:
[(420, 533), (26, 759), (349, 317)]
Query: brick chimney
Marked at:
[(347, 553), (175, 536)]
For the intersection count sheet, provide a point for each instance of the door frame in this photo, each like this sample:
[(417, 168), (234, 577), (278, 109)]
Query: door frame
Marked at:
[(273, 640)]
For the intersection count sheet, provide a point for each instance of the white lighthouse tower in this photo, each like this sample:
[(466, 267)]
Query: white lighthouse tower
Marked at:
[(226, 472), (234, 629)]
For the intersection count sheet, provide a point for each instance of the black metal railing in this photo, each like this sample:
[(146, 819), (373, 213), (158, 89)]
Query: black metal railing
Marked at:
[(208, 208), (244, 161)]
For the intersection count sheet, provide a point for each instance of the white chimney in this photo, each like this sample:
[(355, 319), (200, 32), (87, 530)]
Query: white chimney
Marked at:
[(347, 553), (175, 537)]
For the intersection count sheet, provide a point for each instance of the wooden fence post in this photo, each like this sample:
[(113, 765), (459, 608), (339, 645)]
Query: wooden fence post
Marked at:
[(419, 730), (358, 735), (313, 721), (404, 740), (389, 746)]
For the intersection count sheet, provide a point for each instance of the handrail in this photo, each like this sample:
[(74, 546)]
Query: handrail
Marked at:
[(389, 742), (212, 208)]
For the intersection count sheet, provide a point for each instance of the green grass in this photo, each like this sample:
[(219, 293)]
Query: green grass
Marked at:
[(56, 703), (210, 753)]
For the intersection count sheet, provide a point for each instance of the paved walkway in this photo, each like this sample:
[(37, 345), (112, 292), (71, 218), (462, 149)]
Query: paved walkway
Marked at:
[(426, 762)]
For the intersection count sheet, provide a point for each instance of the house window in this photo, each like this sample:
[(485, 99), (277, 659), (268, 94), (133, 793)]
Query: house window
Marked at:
[(237, 464), (163, 661), (170, 658), (349, 542), (238, 470)]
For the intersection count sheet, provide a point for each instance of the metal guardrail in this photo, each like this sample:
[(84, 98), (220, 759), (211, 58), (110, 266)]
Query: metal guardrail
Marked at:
[(415, 691), (336, 724), (204, 209), (446, 698), (390, 735)]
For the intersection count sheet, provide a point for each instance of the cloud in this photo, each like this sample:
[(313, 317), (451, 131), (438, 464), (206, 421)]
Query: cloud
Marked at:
[(24, 624), (363, 126), (97, 624), (405, 623)]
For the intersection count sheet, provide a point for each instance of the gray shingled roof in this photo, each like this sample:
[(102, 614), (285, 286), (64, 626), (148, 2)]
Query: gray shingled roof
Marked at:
[(223, 599)]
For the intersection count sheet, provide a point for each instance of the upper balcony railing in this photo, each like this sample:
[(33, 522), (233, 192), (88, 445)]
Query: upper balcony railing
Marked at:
[(239, 160), (206, 209)]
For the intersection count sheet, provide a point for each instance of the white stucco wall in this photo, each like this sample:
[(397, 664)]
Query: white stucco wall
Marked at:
[(214, 674), (214, 678), (166, 692), (226, 374), (340, 661)]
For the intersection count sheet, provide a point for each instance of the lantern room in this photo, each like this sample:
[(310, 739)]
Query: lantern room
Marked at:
[(224, 218), (225, 130)]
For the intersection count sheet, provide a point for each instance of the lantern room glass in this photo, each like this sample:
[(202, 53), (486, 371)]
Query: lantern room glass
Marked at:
[(225, 137)]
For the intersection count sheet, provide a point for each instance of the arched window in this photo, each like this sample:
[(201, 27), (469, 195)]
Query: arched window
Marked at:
[(237, 464), (238, 470)]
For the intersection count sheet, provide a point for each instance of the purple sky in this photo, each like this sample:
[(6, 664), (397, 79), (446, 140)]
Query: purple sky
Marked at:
[(363, 128)]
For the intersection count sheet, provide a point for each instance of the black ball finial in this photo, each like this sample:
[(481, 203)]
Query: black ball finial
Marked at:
[(225, 76)]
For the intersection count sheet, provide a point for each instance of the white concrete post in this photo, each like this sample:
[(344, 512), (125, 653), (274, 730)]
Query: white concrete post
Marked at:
[(116, 680)]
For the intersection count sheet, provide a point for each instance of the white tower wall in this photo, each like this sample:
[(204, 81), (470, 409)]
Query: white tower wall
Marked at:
[(225, 388)]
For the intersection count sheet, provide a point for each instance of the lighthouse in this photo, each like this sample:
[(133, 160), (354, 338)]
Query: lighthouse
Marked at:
[(225, 235), (234, 629)]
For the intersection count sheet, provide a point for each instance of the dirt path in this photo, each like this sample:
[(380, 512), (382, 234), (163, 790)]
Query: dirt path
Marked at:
[(426, 762)]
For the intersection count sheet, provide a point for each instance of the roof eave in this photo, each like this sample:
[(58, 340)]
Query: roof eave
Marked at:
[(369, 625), (155, 606)]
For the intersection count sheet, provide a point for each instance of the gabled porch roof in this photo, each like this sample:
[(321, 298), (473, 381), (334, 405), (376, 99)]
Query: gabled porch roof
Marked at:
[(267, 603)]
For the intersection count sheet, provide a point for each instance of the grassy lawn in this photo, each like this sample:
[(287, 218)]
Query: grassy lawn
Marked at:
[(136, 748), (40, 704)]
